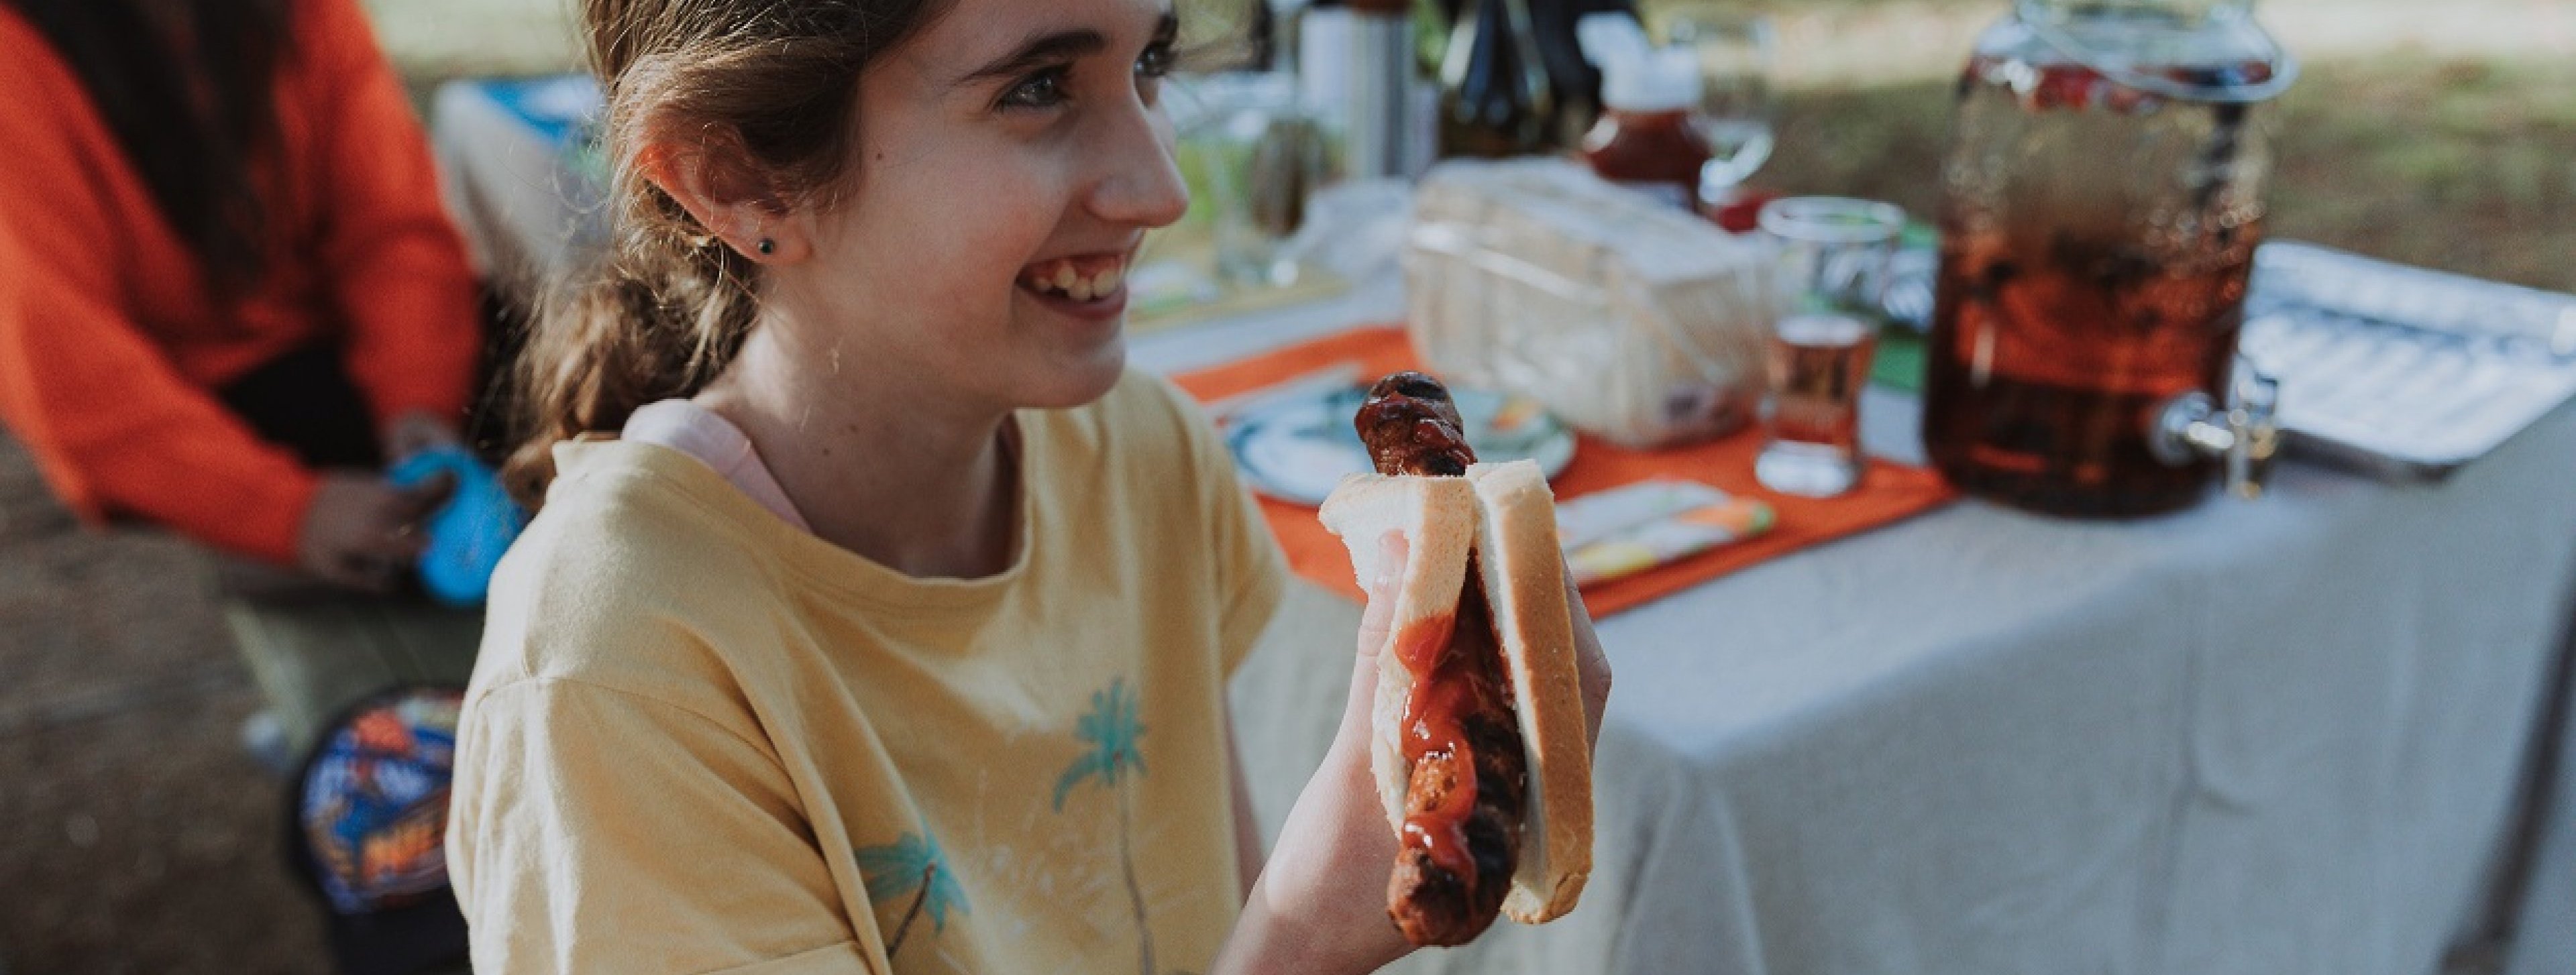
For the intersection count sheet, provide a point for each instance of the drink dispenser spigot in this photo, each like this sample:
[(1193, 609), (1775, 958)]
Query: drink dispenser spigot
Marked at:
[(2103, 198), (2242, 435)]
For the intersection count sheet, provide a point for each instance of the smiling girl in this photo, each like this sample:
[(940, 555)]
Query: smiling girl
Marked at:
[(877, 617)]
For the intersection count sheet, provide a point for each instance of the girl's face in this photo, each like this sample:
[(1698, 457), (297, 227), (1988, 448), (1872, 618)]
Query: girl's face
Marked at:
[(1010, 157)]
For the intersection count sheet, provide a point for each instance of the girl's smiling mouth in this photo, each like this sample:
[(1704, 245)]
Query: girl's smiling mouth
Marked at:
[(1089, 286)]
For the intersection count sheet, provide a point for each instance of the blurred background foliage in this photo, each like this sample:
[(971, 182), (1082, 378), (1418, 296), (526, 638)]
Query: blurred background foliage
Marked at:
[(2435, 134)]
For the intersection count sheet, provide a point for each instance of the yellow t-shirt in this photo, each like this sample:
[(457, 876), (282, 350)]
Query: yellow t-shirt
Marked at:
[(700, 740)]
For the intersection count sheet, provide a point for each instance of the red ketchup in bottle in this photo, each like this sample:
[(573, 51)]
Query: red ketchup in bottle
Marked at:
[(1649, 138)]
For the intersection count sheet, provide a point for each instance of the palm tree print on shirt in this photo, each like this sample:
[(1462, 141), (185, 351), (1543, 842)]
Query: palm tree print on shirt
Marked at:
[(914, 867), (1111, 730)]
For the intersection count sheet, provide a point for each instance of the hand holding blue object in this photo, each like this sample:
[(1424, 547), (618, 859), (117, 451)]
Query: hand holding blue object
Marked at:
[(467, 534)]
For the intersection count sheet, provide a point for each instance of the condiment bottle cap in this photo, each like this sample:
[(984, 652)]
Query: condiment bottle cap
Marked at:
[(1636, 76)]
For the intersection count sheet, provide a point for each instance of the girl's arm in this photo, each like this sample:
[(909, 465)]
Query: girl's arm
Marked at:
[(1319, 905)]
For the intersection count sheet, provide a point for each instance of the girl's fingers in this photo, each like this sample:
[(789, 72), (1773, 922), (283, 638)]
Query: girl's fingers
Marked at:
[(1374, 623), (1380, 612)]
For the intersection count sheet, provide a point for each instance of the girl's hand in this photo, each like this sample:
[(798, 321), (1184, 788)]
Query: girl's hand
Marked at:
[(1320, 903)]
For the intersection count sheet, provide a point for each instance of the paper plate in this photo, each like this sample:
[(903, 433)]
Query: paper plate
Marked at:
[(1298, 447)]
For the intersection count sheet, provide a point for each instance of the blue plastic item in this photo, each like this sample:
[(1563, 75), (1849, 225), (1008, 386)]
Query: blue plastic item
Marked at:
[(468, 534)]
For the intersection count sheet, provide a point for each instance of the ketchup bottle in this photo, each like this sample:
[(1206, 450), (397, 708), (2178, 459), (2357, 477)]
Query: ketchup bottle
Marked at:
[(1648, 138)]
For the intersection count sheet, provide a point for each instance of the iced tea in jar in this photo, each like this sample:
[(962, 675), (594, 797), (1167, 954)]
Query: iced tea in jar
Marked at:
[(2103, 199)]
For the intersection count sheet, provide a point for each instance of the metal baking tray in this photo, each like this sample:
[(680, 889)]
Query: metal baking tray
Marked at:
[(2400, 371)]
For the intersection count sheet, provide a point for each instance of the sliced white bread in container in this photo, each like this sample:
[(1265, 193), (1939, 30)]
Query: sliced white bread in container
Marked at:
[(1524, 575), (1437, 517)]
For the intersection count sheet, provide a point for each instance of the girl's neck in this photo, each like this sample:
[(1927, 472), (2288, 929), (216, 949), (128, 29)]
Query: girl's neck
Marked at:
[(886, 465)]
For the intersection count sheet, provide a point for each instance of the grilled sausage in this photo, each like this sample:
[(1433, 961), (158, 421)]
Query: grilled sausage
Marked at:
[(1468, 781)]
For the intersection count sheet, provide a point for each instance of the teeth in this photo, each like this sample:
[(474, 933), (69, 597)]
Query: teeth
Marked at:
[(1063, 277)]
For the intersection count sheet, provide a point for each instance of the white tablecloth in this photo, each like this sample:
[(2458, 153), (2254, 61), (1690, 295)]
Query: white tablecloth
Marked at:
[(2276, 737), (2546, 918), (2271, 738)]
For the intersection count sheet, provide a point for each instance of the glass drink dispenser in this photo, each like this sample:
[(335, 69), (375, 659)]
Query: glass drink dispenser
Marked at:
[(2103, 199)]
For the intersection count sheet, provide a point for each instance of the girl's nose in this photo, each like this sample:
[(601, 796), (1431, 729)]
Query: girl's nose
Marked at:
[(1139, 182)]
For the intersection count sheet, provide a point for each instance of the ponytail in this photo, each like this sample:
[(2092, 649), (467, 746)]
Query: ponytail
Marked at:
[(650, 325)]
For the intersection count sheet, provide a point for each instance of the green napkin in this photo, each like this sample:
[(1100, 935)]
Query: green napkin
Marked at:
[(1899, 363)]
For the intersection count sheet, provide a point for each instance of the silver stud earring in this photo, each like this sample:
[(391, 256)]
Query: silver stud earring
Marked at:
[(766, 246)]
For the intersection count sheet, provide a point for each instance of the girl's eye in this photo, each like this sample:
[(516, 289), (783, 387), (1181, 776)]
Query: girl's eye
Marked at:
[(1042, 90), (1156, 61)]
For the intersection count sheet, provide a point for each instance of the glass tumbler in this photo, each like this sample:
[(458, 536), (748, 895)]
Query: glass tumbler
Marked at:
[(1738, 54), (1834, 254)]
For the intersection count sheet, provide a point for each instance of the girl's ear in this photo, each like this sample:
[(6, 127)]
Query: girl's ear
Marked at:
[(730, 198)]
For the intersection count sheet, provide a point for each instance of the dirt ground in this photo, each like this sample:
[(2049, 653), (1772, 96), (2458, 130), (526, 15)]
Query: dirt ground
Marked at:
[(136, 836)]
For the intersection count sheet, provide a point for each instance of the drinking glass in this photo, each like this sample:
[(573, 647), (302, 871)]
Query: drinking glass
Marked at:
[(1833, 255), (1736, 55)]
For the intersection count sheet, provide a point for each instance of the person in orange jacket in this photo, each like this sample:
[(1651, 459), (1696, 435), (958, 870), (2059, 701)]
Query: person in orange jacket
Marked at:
[(232, 292)]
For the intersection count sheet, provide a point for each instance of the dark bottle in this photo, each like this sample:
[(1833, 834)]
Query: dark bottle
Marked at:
[(1572, 77), (1261, 38), (1494, 94)]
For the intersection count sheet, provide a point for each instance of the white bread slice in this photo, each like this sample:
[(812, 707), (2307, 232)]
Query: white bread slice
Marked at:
[(1437, 517), (1524, 578)]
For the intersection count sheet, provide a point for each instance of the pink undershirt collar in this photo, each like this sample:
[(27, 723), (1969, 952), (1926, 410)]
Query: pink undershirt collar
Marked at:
[(694, 430)]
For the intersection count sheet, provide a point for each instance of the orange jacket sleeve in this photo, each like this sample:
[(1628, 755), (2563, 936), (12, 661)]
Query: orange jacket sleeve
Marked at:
[(111, 423), (392, 259)]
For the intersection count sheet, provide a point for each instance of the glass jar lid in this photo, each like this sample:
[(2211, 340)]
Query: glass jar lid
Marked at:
[(2195, 50)]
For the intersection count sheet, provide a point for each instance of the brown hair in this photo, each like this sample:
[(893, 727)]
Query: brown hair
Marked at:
[(766, 88)]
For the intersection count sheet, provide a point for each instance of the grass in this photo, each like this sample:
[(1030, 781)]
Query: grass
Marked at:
[(2467, 166), (2462, 165)]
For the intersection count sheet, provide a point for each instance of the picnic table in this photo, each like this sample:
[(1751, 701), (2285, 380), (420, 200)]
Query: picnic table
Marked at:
[(2322, 732), (2295, 735)]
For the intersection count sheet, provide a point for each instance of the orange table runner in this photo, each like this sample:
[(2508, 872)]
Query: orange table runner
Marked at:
[(1888, 493)]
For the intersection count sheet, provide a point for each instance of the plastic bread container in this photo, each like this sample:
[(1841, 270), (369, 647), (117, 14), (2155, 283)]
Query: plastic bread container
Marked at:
[(1631, 321)]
